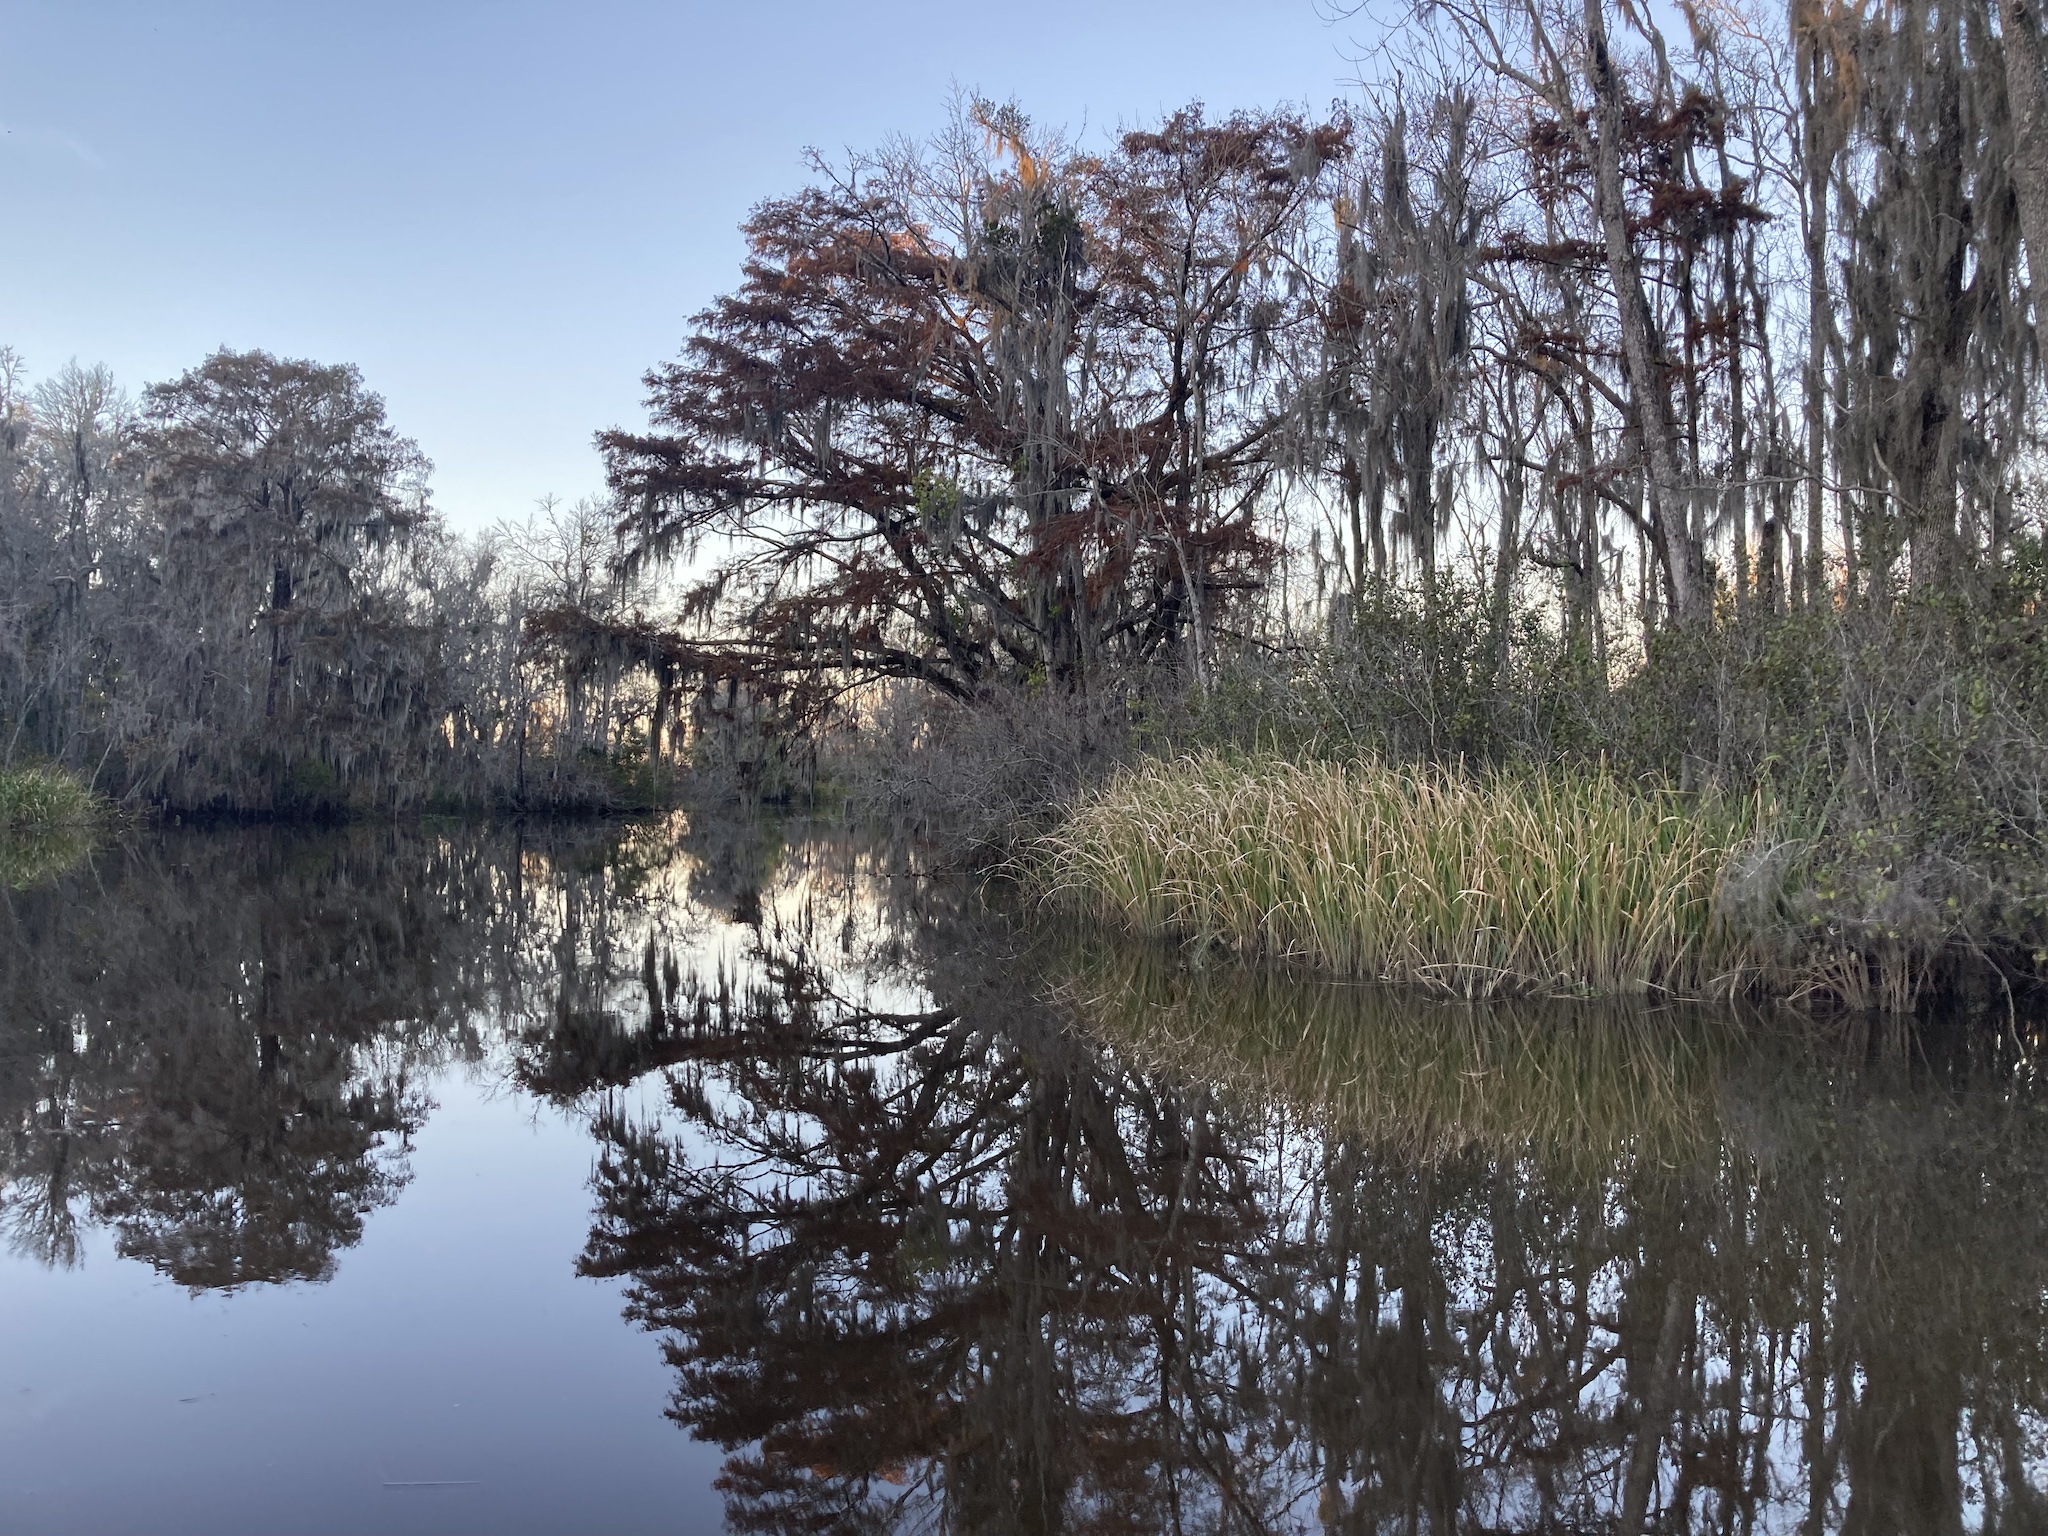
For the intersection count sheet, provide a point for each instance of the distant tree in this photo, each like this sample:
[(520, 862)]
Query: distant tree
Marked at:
[(67, 503), (277, 643), (238, 598), (587, 647), (290, 468)]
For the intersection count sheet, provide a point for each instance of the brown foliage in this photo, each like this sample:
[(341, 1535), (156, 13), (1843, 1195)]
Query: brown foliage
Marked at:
[(990, 412)]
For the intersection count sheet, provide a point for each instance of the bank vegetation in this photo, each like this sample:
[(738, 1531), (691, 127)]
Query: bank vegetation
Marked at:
[(1648, 397)]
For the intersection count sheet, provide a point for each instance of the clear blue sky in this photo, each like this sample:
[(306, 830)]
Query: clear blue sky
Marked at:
[(505, 212)]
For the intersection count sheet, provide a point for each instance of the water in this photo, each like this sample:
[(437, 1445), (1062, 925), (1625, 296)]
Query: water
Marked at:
[(698, 1176)]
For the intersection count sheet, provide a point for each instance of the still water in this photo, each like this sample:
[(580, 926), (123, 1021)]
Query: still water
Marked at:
[(696, 1176)]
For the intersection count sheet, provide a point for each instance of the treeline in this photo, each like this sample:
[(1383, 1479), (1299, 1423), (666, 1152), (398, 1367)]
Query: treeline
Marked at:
[(1587, 388), (1675, 327), (234, 595)]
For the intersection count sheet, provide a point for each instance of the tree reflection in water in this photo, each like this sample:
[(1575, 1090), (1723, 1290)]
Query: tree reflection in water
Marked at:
[(216, 1043), (950, 1227), (200, 1056), (953, 1263)]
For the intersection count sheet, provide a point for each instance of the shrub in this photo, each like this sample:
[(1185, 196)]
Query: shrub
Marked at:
[(46, 825), (983, 779)]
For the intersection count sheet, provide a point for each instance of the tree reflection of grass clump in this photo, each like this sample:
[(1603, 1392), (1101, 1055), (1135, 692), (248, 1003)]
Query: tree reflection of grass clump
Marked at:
[(1585, 1083), (29, 859)]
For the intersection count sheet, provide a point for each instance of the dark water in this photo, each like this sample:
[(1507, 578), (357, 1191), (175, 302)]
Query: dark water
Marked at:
[(697, 1177)]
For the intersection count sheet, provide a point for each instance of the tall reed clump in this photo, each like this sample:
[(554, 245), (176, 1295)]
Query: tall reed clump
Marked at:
[(37, 799), (46, 824), (1471, 884)]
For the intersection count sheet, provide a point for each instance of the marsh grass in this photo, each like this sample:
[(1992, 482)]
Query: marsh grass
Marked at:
[(37, 799), (47, 823), (1582, 1085), (1467, 884)]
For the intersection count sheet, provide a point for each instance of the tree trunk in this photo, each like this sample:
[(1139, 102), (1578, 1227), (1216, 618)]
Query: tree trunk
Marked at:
[(280, 642), (1818, 158), (2026, 88), (1678, 548)]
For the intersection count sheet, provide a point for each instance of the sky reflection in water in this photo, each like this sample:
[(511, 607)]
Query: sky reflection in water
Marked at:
[(332, 1162)]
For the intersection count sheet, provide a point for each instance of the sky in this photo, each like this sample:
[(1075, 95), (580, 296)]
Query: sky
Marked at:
[(505, 211)]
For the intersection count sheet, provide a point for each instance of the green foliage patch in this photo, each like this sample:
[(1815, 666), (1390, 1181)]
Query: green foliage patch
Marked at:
[(47, 823), (43, 799)]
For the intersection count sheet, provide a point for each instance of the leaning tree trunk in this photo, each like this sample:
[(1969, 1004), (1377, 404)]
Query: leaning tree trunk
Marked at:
[(1669, 518)]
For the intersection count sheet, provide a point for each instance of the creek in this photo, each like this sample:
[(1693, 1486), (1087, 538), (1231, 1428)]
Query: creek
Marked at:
[(696, 1175)]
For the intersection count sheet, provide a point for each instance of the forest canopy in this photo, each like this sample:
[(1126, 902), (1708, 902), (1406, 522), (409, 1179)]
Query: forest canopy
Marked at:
[(1656, 323), (234, 595)]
